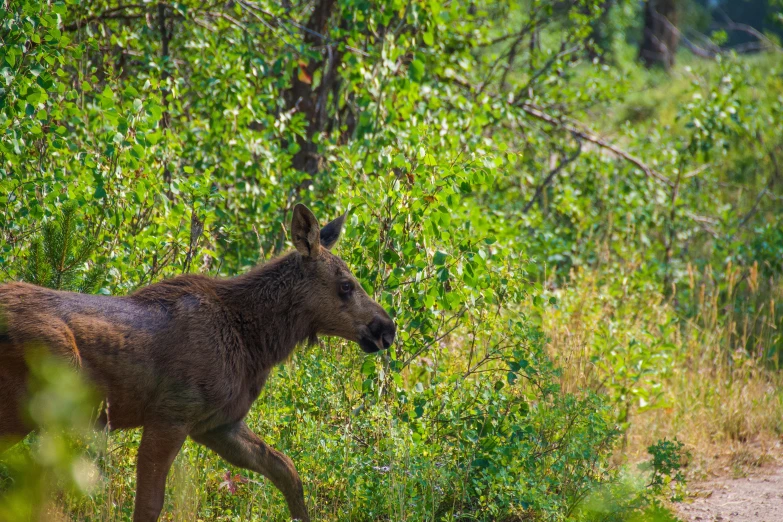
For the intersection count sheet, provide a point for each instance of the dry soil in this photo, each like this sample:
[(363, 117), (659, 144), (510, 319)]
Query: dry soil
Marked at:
[(750, 499)]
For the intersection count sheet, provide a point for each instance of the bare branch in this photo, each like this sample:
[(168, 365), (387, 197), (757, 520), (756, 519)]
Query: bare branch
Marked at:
[(754, 32), (562, 53), (587, 135)]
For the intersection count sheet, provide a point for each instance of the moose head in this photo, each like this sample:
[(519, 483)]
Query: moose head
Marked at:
[(338, 303)]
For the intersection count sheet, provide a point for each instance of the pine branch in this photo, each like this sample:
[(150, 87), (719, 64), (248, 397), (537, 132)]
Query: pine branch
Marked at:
[(56, 258)]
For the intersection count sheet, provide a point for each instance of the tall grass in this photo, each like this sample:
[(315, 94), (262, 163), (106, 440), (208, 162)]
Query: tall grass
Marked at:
[(700, 365)]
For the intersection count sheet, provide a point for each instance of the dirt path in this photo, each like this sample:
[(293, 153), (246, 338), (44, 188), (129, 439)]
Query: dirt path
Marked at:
[(751, 499)]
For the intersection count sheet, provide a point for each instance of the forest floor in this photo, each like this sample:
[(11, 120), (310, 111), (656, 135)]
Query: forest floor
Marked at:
[(754, 498)]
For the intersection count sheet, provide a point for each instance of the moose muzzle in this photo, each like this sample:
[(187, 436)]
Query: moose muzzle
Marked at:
[(380, 334)]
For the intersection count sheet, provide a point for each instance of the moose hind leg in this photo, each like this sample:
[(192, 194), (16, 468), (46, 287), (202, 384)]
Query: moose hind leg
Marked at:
[(159, 446), (237, 444), (12, 428), (13, 387)]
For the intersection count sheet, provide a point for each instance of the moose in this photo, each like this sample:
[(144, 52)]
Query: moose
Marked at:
[(188, 356)]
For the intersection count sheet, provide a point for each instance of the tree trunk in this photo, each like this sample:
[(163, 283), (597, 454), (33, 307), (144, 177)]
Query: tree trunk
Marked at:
[(302, 96), (661, 36)]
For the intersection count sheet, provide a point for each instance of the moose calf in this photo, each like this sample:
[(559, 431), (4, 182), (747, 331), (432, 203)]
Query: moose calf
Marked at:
[(188, 356)]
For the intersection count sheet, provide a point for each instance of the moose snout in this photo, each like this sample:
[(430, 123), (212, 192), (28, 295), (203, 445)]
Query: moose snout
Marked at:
[(383, 329)]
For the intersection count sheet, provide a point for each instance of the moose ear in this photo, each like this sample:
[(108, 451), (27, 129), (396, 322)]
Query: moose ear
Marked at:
[(331, 232), (305, 231)]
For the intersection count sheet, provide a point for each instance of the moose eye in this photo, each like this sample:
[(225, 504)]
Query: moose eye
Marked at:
[(346, 287)]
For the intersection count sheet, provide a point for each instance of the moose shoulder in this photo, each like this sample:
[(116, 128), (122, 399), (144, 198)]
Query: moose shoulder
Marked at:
[(188, 356)]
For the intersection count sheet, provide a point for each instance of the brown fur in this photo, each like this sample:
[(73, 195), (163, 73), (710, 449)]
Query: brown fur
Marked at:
[(188, 356)]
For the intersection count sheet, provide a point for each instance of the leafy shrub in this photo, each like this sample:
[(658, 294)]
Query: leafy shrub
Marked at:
[(635, 498), (666, 467), (53, 461)]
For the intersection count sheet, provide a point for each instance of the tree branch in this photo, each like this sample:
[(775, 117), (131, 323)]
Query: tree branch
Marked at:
[(731, 25), (115, 13), (573, 127)]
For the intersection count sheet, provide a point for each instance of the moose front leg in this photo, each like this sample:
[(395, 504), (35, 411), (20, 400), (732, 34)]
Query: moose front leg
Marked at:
[(237, 444), (159, 446)]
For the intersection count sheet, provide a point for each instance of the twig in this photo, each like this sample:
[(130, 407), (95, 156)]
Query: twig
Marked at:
[(551, 176), (695, 172), (230, 19), (772, 177), (196, 229), (733, 26), (424, 348), (695, 49), (705, 222), (572, 126)]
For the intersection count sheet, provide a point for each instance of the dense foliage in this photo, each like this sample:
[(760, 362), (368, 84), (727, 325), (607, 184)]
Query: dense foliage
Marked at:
[(483, 151)]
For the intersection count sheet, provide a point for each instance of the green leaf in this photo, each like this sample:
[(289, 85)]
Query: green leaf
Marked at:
[(368, 367), (416, 70), (439, 258)]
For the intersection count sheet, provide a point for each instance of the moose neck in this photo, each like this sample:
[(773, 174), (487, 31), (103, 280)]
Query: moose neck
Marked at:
[(268, 301)]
